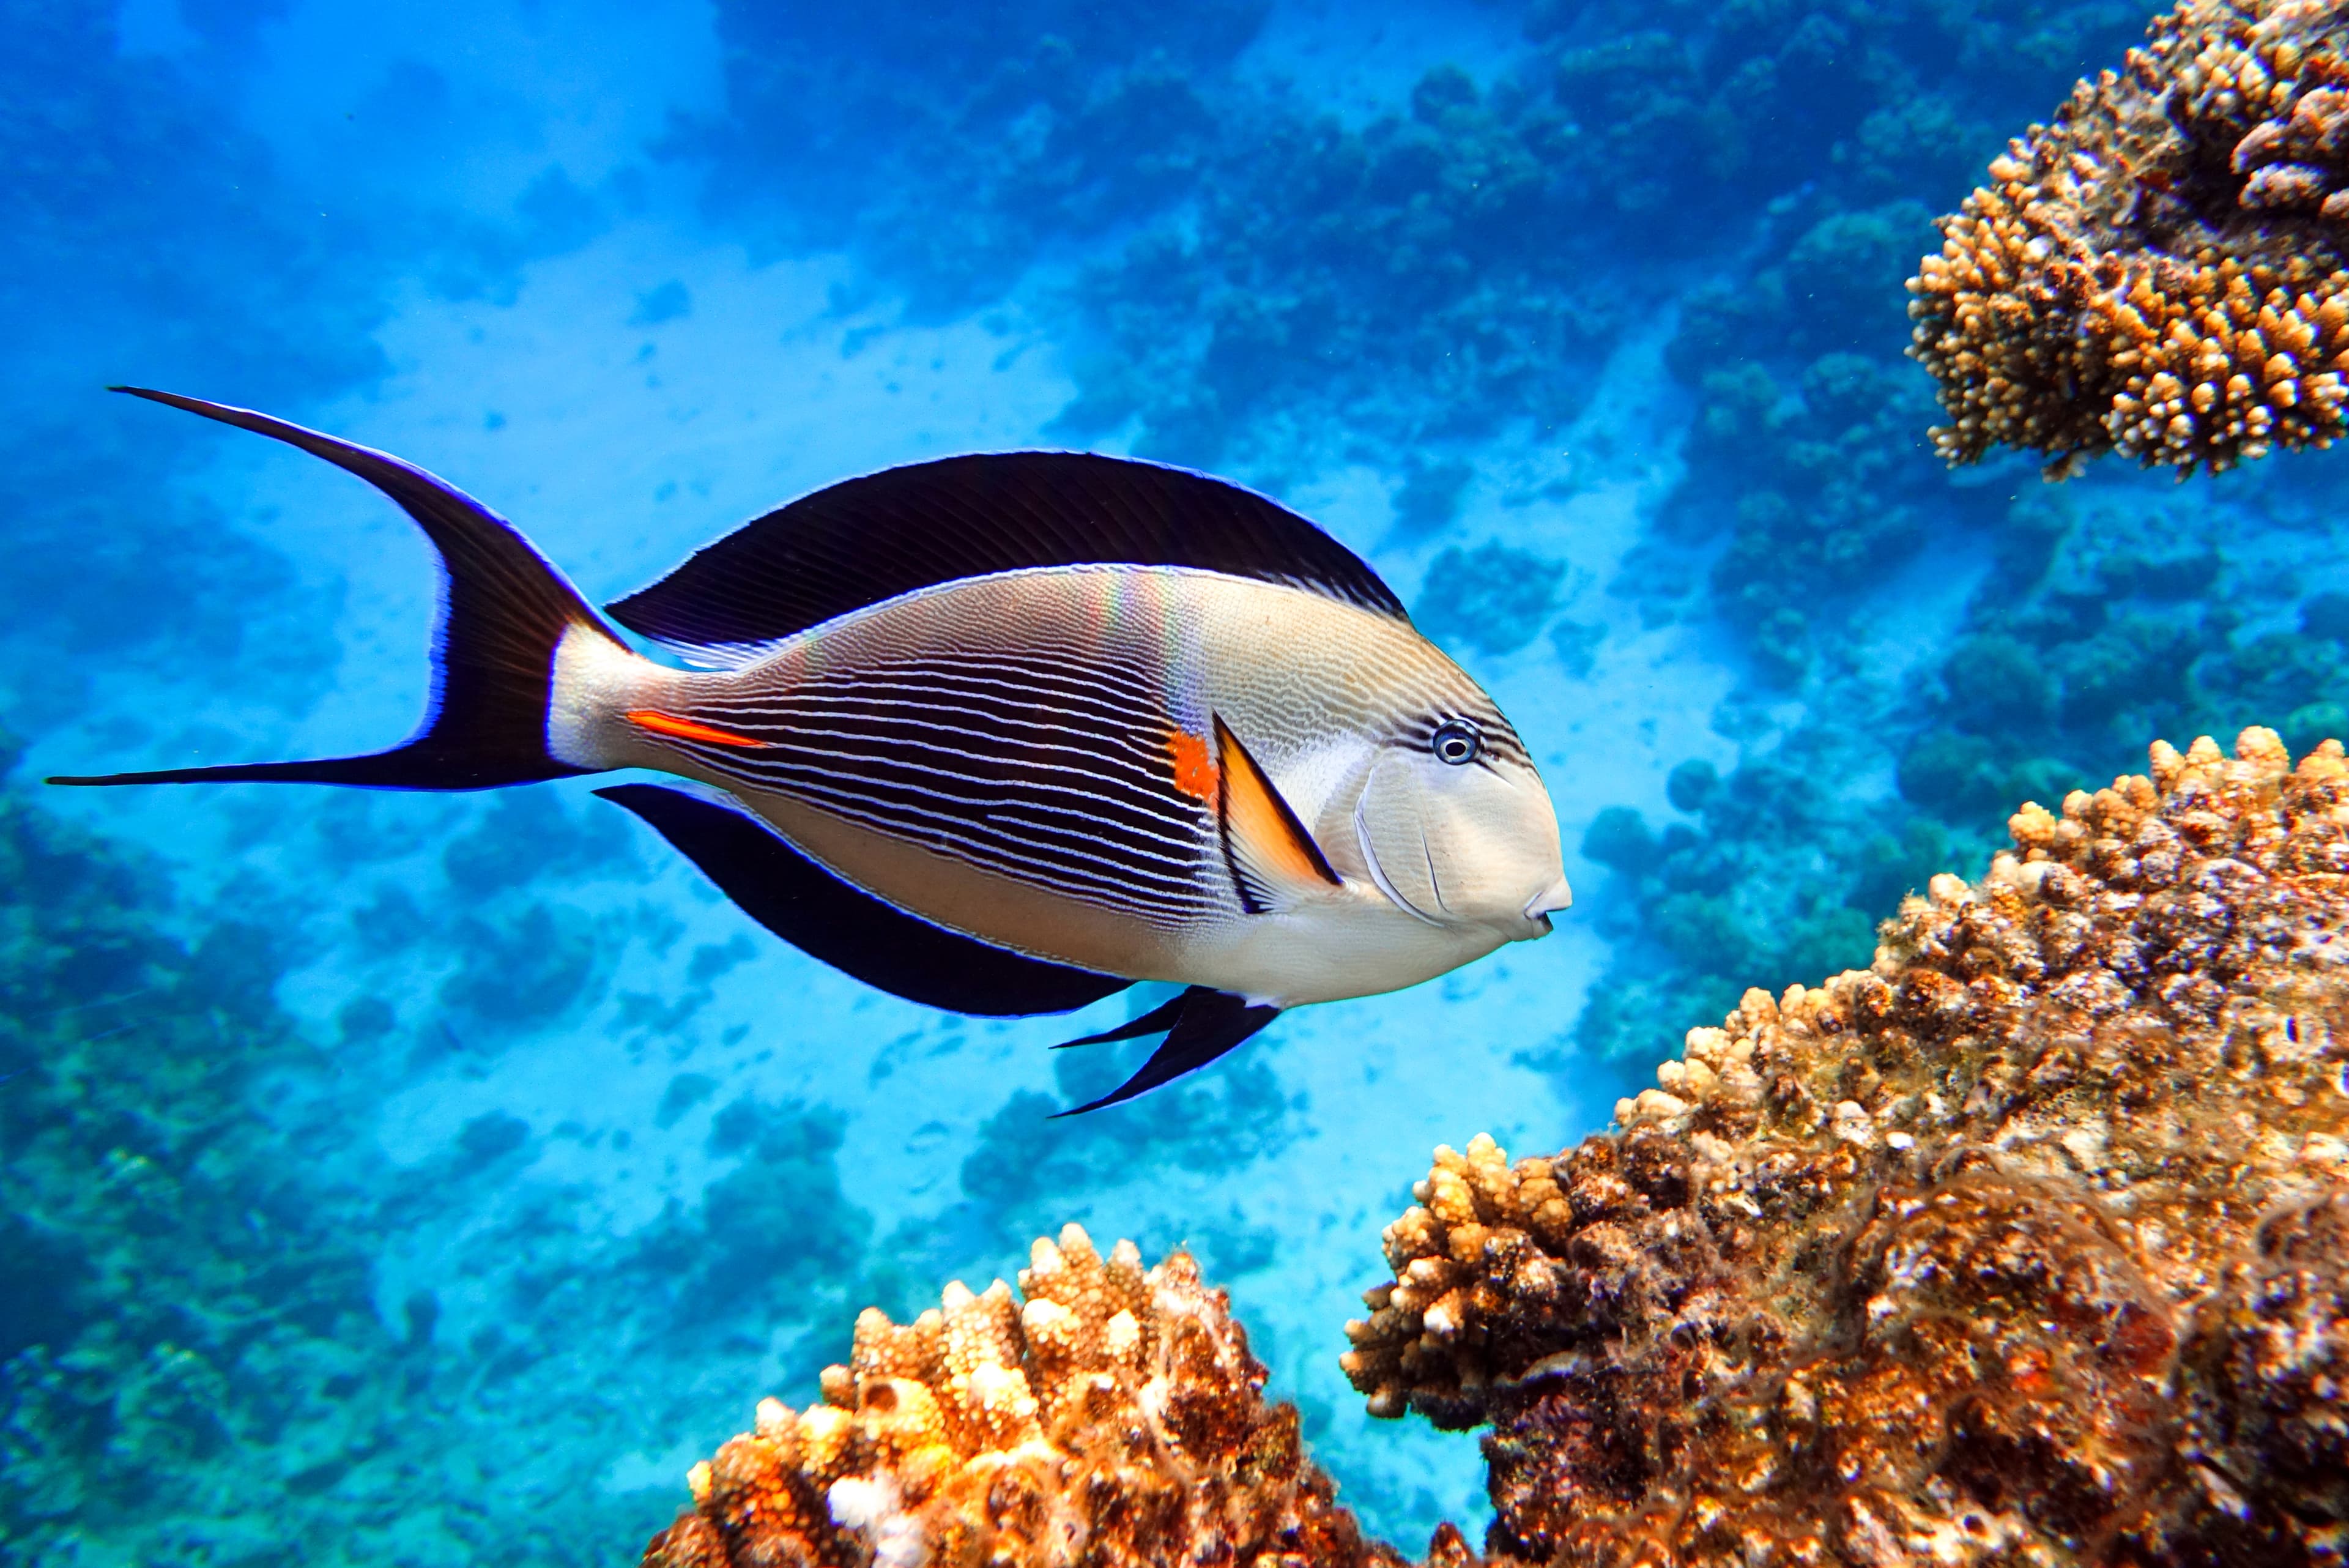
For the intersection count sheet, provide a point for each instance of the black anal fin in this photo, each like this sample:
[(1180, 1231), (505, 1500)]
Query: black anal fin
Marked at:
[(1160, 1017), (1206, 1024), (849, 929)]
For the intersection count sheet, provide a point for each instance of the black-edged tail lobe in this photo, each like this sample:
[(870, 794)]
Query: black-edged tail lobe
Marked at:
[(503, 611), (802, 902), (1206, 1024)]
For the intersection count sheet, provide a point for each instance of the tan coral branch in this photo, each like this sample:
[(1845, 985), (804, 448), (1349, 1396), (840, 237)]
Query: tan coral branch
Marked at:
[(2159, 272), (1112, 1416)]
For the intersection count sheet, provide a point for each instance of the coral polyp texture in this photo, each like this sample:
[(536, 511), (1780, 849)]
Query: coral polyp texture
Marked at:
[(2029, 1244), (2161, 272), (1114, 1416)]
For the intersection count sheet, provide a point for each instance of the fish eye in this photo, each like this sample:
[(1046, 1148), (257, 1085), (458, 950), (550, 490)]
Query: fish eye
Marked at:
[(1457, 742)]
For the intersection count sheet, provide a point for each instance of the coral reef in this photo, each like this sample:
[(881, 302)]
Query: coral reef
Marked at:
[(1024, 1166), (2161, 271), (181, 1324), (1493, 598), (1756, 887), (2109, 610), (2029, 1244), (1436, 271), (133, 210), (1803, 453), (1114, 1416), (1804, 450), (196, 1256)]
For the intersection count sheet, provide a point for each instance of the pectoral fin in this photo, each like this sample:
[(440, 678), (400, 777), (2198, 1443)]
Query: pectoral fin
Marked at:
[(1206, 1024), (1273, 860)]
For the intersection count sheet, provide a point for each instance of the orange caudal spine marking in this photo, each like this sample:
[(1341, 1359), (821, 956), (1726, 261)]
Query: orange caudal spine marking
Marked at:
[(670, 724), (1194, 766)]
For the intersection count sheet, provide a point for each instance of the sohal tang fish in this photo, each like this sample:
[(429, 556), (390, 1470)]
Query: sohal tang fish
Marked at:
[(1004, 734)]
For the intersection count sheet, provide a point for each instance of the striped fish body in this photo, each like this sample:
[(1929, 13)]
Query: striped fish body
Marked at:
[(1002, 734), (1031, 758)]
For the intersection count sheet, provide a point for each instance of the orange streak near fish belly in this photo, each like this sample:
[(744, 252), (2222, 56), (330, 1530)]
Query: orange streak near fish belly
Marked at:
[(669, 725), (1195, 770)]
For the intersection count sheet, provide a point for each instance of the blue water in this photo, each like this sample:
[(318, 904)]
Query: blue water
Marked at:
[(431, 1179)]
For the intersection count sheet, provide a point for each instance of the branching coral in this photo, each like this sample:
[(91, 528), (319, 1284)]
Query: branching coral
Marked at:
[(2164, 271), (2031, 1243), (1114, 1417)]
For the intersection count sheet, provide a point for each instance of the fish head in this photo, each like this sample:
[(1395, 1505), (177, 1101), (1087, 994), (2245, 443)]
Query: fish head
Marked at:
[(1454, 826)]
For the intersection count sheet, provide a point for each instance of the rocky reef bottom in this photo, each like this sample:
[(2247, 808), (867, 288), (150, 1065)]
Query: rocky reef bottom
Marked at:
[(2029, 1244)]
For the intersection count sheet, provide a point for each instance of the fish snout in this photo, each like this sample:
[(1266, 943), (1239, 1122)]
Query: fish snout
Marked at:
[(1549, 901)]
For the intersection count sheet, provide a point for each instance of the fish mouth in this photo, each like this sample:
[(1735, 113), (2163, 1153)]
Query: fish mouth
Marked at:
[(1549, 901)]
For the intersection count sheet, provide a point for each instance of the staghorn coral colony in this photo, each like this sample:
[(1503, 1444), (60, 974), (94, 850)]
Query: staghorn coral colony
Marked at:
[(2161, 272), (1114, 1416), (2029, 1244)]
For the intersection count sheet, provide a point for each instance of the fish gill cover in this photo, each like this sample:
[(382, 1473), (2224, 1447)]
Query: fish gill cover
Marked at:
[(417, 1180)]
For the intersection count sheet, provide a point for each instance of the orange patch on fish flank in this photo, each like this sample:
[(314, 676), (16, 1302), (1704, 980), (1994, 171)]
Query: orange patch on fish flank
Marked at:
[(1194, 769), (670, 724)]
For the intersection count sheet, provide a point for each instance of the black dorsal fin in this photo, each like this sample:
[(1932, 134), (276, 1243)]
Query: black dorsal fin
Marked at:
[(865, 540), (848, 928)]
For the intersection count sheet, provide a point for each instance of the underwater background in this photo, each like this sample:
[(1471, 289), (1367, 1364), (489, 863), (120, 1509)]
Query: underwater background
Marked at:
[(429, 1180)]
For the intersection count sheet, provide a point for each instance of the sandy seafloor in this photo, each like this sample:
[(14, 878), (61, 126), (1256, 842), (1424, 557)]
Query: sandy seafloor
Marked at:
[(568, 1019)]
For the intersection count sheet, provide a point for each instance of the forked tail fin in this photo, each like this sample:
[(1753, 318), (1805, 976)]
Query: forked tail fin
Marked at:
[(503, 612)]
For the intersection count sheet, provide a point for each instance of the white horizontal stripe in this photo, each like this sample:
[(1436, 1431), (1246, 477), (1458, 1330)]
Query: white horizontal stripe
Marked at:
[(1025, 707), (1162, 807), (1114, 863), (920, 688), (991, 698), (1078, 676), (824, 785), (1150, 763), (1115, 889), (1087, 666), (1086, 793)]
